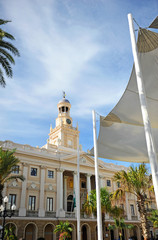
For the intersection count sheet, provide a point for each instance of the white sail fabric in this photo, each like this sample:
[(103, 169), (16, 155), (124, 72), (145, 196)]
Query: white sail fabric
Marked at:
[(121, 135)]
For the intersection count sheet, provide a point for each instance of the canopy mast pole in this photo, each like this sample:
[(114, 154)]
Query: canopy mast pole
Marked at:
[(78, 192), (143, 102), (99, 218)]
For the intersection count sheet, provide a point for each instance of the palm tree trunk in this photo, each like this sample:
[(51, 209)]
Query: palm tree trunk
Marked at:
[(143, 217), (1, 196)]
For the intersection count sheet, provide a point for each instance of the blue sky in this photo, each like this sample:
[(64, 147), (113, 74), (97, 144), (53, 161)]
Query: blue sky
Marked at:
[(79, 46)]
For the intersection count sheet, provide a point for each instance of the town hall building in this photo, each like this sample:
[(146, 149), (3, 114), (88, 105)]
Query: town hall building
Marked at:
[(46, 196)]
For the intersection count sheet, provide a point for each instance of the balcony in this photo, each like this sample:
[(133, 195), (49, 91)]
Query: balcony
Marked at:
[(30, 213), (84, 215), (16, 212), (69, 214), (50, 214), (134, 218)]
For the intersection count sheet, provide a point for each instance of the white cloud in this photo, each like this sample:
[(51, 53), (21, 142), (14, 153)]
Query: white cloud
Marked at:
[(81, 47)]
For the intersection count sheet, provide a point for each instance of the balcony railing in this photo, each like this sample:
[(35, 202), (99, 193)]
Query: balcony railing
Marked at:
[(16, 213), (134, 217), (50, 214), (69, 214), (30, 213), (84, 215)]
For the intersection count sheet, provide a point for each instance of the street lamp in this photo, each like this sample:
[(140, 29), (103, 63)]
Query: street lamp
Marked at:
[(5, 213)]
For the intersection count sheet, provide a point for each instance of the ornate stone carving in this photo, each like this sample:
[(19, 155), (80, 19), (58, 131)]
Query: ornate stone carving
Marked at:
[(33, 185)]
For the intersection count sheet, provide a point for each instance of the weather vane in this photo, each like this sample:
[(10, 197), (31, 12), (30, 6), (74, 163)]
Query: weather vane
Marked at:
[(64, 94)]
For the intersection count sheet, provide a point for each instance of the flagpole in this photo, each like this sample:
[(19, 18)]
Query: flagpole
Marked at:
[(78, 192), (99, 217), (143, 102)]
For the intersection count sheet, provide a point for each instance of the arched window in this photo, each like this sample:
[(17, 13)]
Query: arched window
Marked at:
[(48, 233), (30, 232), (84, 233)]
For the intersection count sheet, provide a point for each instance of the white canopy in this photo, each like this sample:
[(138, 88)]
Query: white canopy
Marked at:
[(121, 135)]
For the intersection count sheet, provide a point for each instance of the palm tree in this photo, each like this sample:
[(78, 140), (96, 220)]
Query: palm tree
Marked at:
[(120, 224), (7, 162), (64, 229), (90, 206), (135, 181), (6, 58)]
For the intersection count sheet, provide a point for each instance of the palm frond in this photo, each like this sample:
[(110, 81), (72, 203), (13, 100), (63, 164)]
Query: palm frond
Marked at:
[(15, 177), (2, 80), (7, 55), (118, 194), (10, 47), (6, 65), (8, 35), (4, 21)]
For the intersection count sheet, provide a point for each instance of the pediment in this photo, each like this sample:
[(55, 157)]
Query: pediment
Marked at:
[(85, 160)]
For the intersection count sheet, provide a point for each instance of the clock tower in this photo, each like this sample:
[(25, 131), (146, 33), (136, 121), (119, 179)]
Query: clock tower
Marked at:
[(64, 134)]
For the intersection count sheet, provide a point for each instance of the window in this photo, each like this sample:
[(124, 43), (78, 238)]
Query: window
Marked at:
[(33, 171), (108, 183), (15, 169), (70, 203), (69, 142), (83, 184), (118, 184), (12, 200), (32, 202), (50, 174), (132, 210), (49, 204)]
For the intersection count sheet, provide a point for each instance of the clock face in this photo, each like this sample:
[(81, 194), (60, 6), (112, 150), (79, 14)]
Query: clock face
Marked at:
[(68, 121)]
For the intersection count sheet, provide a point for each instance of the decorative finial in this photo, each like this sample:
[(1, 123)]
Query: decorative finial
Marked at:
[(64, 94)]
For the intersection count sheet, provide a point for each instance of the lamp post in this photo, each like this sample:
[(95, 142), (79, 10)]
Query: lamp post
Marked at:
[(4, 212)]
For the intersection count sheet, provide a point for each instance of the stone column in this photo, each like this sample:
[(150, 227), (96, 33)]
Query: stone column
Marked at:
[(60, 212), (127, 207), (41, 211), (22, 209), (65, 193), (88, 183), (4, 190)]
